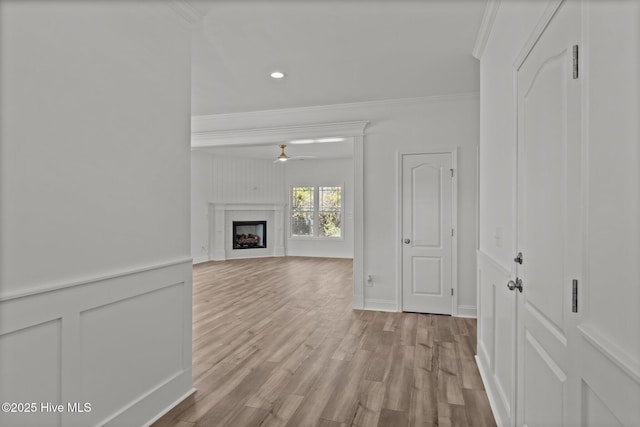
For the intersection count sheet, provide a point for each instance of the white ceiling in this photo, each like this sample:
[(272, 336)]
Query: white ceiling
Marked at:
[(333, 51)]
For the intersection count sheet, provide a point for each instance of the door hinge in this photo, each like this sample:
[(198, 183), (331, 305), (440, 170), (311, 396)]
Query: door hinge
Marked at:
[(452, 232), (575, 61), (451, 291), (574, 296), (451, 172)]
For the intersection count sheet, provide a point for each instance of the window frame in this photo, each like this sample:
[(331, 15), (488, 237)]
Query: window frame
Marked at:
[(316, 213)]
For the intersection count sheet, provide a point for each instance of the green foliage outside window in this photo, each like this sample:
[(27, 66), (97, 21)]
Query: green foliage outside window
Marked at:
[(322, 207)]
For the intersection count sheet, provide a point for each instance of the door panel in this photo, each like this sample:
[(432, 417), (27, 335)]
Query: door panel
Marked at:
[(544, 159), (426, 225), (548, 226), (426, 197), (427, 267)]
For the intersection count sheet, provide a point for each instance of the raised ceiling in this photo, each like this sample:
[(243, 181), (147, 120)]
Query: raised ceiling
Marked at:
[(332, 51)]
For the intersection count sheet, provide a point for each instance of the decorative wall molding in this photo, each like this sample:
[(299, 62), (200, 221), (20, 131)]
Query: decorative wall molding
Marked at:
[(77, 321), (497, 413), (55, 286), (612, 352), (494, 263), (489, 17), (496, 340), (270, 135), (203, 122)]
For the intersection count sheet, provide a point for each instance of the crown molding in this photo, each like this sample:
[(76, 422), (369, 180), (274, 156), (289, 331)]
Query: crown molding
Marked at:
[(489, 17), (270, 135), (201, 121)]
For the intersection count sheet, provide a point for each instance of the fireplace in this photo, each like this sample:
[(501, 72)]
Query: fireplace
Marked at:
[(249, 234)]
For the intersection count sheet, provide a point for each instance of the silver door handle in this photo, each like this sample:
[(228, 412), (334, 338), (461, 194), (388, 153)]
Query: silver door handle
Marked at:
[(515, 285), (407, 241)]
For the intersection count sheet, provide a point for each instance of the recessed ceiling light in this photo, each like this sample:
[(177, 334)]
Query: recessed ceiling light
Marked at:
[(303, 141), (277, 75), (330, 140)]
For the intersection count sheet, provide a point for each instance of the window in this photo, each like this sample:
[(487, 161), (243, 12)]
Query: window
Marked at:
[(316, 211)]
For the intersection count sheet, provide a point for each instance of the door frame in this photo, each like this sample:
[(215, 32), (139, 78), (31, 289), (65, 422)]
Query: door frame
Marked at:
[(454, 222)]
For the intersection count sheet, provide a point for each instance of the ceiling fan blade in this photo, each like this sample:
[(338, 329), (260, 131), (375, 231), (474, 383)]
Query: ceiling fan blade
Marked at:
[(302, 157)]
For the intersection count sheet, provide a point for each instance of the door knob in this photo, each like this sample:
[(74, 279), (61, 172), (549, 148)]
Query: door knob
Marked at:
[(515, 285), (407, 241)]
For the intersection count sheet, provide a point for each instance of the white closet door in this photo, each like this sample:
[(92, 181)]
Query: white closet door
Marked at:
[(549, 144)]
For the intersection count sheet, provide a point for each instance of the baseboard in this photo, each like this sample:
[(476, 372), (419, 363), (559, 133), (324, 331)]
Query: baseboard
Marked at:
[(470, 311), (156, 403), (170, 407), (380, 305), (358, 302), (488, 387), (201, 259), (219, 255)]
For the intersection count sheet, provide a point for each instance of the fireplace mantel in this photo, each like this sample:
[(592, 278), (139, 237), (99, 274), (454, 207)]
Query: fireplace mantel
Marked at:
[(221, 213)]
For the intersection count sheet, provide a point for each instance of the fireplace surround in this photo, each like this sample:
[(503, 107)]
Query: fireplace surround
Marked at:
[(221, 219)]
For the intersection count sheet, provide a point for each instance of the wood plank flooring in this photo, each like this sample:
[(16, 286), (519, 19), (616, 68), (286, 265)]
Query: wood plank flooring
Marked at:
[(276, 343)]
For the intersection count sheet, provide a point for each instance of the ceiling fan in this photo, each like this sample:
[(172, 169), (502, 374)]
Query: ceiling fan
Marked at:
[(283, 156)]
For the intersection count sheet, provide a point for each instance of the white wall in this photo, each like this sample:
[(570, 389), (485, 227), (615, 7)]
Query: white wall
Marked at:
[(228, 180), (406, 125), (95, 280), (610, 295), (334, 172)]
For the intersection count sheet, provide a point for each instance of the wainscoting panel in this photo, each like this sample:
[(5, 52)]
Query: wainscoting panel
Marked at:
[(594, 411), (121, 344), (30, 371), (119, 334), (610, 384), (496, 336)]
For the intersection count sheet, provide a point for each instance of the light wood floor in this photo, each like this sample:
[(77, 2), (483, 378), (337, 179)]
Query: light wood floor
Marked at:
[(276, 343)]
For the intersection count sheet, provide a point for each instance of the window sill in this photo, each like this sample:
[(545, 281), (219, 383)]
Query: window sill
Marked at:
[(315, 238)]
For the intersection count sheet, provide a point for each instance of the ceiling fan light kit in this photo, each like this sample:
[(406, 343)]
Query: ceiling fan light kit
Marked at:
[(283, 156)]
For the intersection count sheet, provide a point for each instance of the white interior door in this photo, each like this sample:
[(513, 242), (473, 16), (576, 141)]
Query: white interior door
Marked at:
[(427, 233), (549, 226)]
